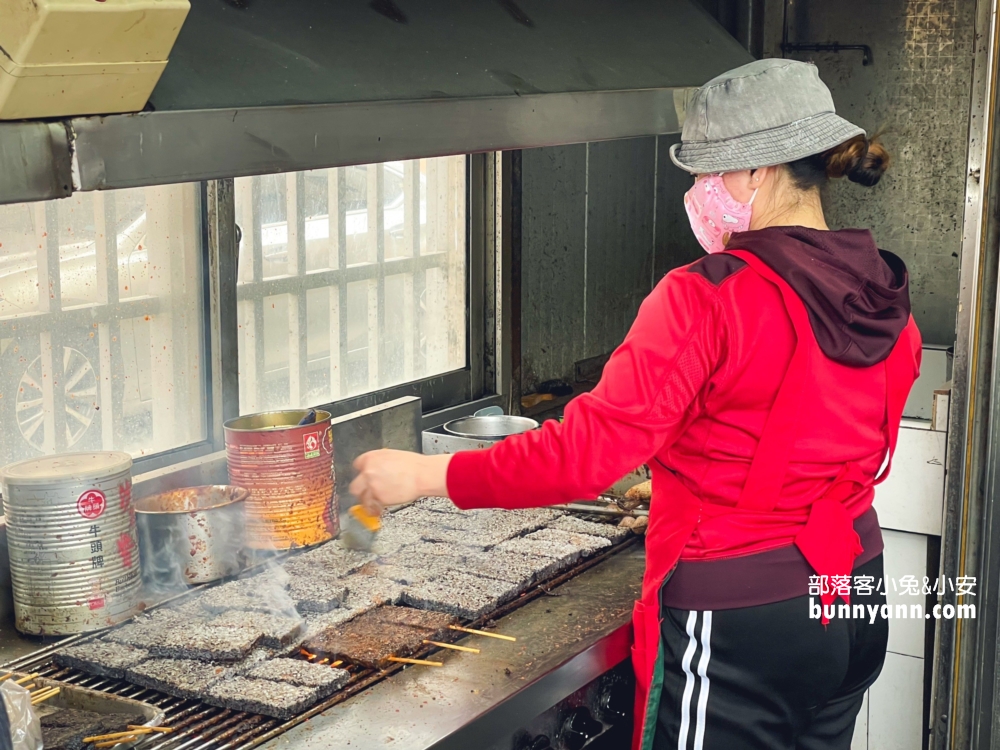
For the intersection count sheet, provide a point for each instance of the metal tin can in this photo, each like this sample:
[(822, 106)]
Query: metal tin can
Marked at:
[(74, 556), (191, 535), (288, 468)]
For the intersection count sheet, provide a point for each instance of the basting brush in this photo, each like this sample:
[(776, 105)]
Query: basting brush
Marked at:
[(358, 528)]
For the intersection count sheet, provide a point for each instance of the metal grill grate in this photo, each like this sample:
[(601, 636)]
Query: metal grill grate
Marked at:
[(198, 726)]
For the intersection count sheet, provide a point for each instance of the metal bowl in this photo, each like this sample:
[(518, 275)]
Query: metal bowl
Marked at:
[(492, 427), (192, 535)]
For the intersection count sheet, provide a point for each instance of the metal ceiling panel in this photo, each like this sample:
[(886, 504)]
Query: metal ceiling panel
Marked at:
[(306, 84), (288, 52), (34, 161), (164, 147)]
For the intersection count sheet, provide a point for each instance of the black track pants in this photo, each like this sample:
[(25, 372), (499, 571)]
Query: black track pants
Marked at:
[(767, 677)]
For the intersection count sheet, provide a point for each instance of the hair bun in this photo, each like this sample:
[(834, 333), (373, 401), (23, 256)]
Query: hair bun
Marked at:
[(861, 160)]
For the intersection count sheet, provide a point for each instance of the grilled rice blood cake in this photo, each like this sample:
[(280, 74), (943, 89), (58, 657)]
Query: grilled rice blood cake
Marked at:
[(317, 623), (481, 528), (181, 678), (513, 567), (277, 631), (331, 559), (316, 592), (448, 551), (147, 629), (261, 593), (102, 658), (278, 699), (575, 525), (370, 639), (366, 592), (587, 544), (207, 642), (410, 565), (461, 594), (414, 516), (437, 504), (65, 728), (433, 623), (326, 679), (563, 555), (401, 574)]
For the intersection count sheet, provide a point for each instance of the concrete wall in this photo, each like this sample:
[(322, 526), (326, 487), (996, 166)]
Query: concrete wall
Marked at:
[(602, 222), (918, 89)]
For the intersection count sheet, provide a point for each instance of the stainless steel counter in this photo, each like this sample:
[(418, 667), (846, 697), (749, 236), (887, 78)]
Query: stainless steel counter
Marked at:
[(564, 642), (13, 644)]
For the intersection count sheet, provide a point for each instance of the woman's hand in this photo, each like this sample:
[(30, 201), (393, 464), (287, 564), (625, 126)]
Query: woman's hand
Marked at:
[(391, 477)]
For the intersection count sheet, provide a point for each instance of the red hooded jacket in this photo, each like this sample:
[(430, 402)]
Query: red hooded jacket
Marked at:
[(693, 383)]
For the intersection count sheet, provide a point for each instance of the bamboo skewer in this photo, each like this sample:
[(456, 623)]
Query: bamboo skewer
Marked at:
[(112, 743), (482, 632), (454, 647), (25, 679), (115, 735), (44, 695), (134, 732), (6, 676), (422, 662)]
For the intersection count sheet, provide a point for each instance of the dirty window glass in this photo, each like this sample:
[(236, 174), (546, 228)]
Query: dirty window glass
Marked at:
[(351, 280), (101, 327)]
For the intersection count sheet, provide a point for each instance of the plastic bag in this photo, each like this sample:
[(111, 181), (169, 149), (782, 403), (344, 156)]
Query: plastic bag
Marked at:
[(5, 741), (25, 728)]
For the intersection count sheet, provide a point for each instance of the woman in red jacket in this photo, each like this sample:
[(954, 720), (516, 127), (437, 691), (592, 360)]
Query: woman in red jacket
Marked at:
[(764, 386)]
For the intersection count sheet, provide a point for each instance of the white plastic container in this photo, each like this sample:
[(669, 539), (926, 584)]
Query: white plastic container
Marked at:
[(82, 57), (74, 554)]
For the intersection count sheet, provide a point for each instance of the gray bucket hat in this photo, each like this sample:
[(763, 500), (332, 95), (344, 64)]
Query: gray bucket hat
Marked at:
[(769, 112)]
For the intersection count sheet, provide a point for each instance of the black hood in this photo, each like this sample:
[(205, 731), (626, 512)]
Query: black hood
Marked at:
[(857, 295)]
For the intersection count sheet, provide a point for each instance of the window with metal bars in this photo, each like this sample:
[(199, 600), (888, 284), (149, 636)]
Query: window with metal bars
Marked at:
[(125, 314), (102, 326), (351, 280)]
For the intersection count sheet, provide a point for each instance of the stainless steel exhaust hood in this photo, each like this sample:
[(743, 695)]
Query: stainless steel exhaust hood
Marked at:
[(259, 86)]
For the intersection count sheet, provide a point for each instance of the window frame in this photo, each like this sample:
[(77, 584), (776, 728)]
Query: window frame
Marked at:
[(441, 391), (209, 444), (218, 246), (107, 315)]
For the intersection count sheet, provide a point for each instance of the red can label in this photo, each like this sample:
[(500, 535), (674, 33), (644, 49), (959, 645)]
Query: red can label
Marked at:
[(310, 444), (91, 504)]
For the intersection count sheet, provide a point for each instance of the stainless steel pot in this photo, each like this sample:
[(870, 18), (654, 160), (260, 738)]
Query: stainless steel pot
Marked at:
[(192, 535), (490, 427)]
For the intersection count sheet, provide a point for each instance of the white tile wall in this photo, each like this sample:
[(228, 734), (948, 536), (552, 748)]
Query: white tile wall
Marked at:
[(895, 719), (905, 554), (933, 374), (892, 715), (912, 497), (910, 505)]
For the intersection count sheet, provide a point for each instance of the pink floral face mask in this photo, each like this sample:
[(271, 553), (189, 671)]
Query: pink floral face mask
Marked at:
[(714, 214)]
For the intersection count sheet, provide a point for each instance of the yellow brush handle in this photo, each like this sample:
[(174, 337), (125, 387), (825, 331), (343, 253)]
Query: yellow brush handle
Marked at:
[(370, 522)]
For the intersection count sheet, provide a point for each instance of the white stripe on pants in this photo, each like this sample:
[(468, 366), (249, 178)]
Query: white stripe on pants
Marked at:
[(706, 654)]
